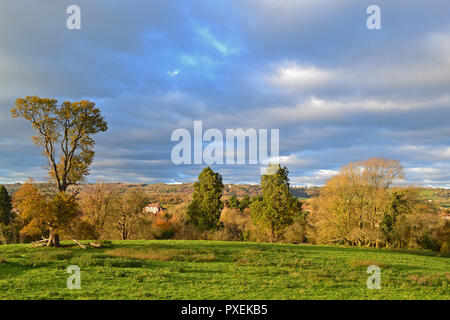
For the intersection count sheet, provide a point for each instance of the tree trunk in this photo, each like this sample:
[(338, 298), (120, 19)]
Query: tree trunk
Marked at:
[(53, 239), (272, 234), (57, 244)]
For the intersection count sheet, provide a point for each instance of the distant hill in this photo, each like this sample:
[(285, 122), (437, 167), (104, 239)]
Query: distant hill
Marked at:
[(178, 193)]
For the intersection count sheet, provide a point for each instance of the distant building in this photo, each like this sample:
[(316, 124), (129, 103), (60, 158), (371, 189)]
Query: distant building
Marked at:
[(154, 208)]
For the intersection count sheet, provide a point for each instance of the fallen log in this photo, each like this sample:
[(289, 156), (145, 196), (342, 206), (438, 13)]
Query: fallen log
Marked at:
[(95, 245), (79, 243), (39, 243)]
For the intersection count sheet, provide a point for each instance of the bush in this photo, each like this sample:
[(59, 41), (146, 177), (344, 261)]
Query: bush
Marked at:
[(163, 229), (10, 233), (230, 232), (184, 230), (296, 233), (438, 240)]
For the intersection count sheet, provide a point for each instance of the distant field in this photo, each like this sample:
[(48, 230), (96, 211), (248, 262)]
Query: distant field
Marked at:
[(438, 197), (219, 270)]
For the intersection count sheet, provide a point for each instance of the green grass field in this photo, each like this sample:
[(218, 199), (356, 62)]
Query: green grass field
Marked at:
[(220, 270)]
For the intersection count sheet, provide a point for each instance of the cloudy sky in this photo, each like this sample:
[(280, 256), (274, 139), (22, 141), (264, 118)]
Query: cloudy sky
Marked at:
[(337, 91)]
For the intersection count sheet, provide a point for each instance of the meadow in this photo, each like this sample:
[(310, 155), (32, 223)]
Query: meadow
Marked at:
[(220, 270)]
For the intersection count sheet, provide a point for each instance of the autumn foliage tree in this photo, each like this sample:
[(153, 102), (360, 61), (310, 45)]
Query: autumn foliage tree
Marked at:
[(97, 206), (126, 209), (65, 134), (359, 206), (42, 212)]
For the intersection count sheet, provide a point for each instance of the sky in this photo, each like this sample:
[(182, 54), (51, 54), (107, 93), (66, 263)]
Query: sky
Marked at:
[(337, 91)]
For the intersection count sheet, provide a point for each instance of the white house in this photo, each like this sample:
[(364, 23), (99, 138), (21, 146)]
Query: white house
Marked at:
[(154, 208)]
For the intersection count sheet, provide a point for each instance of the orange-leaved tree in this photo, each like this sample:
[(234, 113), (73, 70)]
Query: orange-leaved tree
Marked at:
[(40, 211)]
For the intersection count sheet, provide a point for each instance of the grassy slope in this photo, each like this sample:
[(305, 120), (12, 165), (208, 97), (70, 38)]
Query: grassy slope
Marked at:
[(219, 270)]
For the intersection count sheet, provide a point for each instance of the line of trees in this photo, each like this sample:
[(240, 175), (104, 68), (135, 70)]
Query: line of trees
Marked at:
[(274, 211), (109, 213), (360, 206)]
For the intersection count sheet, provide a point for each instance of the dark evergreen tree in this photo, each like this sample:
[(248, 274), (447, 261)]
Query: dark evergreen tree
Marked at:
[(233, 203), (205, 209), (6, 214), (244, 203), (277, 207)]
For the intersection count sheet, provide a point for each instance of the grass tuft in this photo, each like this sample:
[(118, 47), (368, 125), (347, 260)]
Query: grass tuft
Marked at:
[(365, 263)]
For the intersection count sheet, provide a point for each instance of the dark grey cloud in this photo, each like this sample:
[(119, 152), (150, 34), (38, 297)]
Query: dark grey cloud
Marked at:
[(337, 91)]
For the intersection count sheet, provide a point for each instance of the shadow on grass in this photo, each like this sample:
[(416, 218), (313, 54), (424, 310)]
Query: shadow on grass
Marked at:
[(10, 269)]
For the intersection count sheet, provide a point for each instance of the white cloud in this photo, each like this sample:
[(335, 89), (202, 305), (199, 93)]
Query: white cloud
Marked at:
[(425, 170), (290, 75), (424, 152), (428, 66), (436, 175), (173, 73), (292, 160), (317, 109), (315, 178)]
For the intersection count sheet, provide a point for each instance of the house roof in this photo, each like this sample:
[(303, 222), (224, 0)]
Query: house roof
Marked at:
[(155, 205)]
